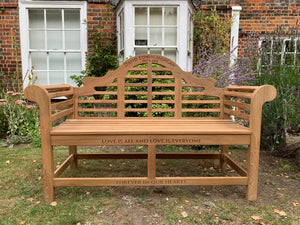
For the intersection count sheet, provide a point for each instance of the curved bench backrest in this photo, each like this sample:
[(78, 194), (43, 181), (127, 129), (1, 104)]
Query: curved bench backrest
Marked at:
[(148, 86)]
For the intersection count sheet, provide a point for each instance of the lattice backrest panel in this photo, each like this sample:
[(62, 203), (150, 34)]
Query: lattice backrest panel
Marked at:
[(148, 86)]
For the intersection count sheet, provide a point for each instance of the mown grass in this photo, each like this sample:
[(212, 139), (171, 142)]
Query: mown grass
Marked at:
[(21, 194)]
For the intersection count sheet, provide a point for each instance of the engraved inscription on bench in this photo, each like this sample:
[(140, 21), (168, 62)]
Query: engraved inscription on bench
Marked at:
[(146, 141), (152, 182)]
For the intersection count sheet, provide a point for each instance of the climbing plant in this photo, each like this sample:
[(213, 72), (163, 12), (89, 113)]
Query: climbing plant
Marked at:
[(211, 31), (101, 58)]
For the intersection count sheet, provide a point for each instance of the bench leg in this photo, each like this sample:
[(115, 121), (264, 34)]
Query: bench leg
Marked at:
[(73, 151), (151, 161), (224, 150), (252, 169), (48, 173)]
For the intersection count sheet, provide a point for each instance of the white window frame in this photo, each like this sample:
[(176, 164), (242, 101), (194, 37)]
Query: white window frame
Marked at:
[(184, 56), (24, 6), (163, 47), (283, 51)]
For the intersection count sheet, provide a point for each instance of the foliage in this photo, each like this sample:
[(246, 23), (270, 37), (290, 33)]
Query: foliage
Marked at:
[(282, 115), (22, 118), (102, 58), (215, 63), (211, 31), (3, 123)]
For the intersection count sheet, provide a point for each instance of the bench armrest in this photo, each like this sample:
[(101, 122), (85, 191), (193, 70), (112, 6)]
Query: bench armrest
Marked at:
[(246, 102), (51, 111)]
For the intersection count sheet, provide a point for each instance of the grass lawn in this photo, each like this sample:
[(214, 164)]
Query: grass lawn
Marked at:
[(21, 193)]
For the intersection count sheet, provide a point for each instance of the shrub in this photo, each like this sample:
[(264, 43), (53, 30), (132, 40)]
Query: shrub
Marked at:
[(22, 119), (216, 63), (211, 31), (3, 122), (271, 65), (282, 115)]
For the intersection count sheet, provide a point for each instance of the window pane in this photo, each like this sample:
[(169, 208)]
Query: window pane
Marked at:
[(74, 61), (156, 51), (36, 18), (121, 17), (170, 16), (171, 54), (53, 17), (155, 36), (141, 36), (72, 40), (140, 16), (41, 77), (155, 16), (122, 40), (39, 60), (170, 36), (56, 78), (72, 18), (54, 40), (56, 61), (36, 39), (140, 51)]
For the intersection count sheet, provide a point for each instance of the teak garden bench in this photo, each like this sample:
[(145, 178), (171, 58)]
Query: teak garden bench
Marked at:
[(150, 101)]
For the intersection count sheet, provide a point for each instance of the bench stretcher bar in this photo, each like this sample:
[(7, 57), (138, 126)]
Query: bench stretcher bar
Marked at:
[(144, 181)]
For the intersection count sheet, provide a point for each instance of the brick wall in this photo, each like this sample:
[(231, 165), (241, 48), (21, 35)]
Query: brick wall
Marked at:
[(9, 40), (262, 16), (101, 17)]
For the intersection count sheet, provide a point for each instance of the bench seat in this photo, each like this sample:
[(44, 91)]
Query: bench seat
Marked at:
[(149, 126)]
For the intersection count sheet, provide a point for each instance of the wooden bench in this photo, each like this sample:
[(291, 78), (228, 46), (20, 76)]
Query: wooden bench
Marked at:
[(150, 101)]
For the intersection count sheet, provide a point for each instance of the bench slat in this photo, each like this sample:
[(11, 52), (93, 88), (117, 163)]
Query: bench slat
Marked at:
[(97, 109), (238, 94), (237, 104), (97, 101), (57, 87), (237, 114), (61, 105), (192, 93), (135, 93), (201, 110), (201, 101), (61, 114), (105, 93), (136, 84), (163, 93), (242, 88), (60, 94)]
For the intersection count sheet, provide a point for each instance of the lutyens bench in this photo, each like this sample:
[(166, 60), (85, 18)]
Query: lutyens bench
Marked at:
[(150, 101)]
